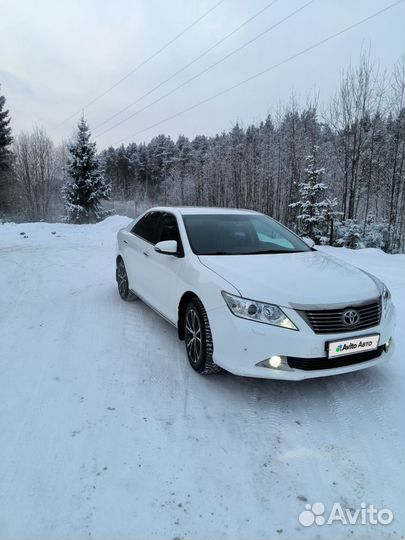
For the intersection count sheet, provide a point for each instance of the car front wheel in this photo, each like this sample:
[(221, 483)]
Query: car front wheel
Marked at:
[(198, 338), (122, 281)]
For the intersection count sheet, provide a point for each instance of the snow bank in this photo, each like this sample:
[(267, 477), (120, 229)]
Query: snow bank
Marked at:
[(114, 223), (42, 233)]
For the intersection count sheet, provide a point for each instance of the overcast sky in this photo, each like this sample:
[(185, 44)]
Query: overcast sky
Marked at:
[(57, 55)]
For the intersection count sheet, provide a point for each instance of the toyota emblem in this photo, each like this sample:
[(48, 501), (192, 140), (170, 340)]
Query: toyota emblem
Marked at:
[(351, 317)]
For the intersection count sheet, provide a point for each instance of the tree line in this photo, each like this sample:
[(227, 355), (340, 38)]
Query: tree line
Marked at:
[(335, 174)]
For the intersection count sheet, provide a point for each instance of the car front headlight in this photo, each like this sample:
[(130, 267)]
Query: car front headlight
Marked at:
[(257, 311), (385, 298), (384, 293)]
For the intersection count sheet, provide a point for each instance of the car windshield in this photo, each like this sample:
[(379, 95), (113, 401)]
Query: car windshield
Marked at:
[(240, 234)]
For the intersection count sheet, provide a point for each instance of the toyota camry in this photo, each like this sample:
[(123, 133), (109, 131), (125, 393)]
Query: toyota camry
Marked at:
[(248, 295)]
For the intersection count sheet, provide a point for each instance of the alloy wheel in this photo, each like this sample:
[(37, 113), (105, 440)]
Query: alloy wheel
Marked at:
[(122, 280), (193, 336)]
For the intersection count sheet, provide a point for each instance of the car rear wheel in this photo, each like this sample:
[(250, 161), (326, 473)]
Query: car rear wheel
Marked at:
[(122, 281), (198, 338)]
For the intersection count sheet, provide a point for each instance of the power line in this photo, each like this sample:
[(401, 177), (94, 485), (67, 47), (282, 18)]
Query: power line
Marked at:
[(244, 23), (274, 66), (141, 64), (255, 38)]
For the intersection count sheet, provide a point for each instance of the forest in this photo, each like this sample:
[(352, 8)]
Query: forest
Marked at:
[(334, 173)]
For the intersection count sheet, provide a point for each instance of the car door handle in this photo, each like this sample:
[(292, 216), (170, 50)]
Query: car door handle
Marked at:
[(146, 253), (125, 242)]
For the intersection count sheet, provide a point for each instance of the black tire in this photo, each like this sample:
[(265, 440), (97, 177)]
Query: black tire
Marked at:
[(198, 338), (122, 281)]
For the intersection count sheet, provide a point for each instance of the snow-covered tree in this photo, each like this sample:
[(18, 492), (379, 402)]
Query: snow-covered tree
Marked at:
[(315, 209), (376, 233), (86, 186), (349, 234)]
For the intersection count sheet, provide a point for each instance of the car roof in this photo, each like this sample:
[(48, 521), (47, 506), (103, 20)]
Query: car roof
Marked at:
[(198, 210)]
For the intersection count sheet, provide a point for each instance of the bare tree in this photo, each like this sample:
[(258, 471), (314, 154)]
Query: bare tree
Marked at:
[(397, 157), (353, 102), (35, 171)]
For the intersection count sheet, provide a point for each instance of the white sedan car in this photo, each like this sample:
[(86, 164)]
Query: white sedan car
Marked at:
[(248, 295)]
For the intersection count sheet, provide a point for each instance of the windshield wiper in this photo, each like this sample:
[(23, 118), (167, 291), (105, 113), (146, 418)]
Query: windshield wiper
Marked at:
[(267, 252), (217, 253), (272, 251)]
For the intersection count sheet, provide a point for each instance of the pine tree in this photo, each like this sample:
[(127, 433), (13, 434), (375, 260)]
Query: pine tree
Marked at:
[(349, 234), (86, 186), (6, 185), (5, 135), (315, 209)]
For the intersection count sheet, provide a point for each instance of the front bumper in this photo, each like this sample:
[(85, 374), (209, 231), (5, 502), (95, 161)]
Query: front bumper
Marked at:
[(240, 344)]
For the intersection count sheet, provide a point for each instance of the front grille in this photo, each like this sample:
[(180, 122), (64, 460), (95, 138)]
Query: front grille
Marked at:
[(309, 364), (330, 321)]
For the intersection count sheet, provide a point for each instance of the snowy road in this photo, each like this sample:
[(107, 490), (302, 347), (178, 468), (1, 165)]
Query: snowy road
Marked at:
[(106, 432)]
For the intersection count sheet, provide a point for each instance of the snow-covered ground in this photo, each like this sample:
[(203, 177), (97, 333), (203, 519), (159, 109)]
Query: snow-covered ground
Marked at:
[(106, 432)]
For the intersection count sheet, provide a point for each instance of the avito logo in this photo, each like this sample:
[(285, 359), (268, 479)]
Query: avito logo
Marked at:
[(316, 514)]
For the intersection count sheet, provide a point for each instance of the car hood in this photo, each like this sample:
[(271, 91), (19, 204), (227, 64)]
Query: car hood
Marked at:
[(296, 279)]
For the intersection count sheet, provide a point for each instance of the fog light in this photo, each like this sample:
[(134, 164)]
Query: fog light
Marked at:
[(387, 345), (275, 361)]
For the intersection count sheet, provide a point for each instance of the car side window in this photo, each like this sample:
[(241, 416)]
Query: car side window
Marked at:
[(148, 227), (169, 230)]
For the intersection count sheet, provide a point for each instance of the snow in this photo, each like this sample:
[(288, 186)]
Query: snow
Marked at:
[(106, 432)]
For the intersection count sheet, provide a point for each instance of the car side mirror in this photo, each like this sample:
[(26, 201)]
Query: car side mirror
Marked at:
[(309, 242), (167, 247)]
